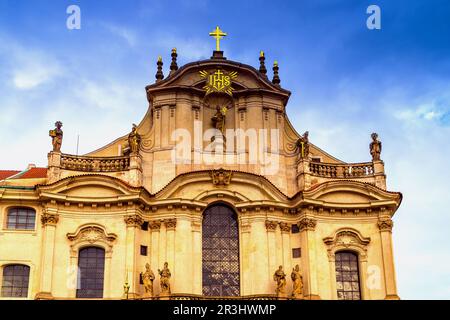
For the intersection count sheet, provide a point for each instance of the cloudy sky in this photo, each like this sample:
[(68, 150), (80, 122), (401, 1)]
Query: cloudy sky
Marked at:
[(346, 81)]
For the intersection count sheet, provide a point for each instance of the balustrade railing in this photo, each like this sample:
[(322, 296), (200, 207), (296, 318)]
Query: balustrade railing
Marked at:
[(94, 164), (331, 170)]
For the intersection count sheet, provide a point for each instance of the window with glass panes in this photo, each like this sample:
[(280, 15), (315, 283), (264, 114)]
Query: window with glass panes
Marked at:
[(15, 281), (91, 264), (347, 276), (220, 254), (21, 219)]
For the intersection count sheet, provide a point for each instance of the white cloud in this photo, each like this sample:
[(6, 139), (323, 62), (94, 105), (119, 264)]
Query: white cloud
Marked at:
[(126, 34)]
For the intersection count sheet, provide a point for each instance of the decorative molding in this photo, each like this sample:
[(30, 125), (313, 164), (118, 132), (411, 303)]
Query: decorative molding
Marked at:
[(271, 225), (221, 177), (49, 219), (307, 224), (134, 220), (91, 234), (385, 224), (285, 227), (347, 239), (171, 224)]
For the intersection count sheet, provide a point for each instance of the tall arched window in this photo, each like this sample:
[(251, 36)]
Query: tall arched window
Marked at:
[(220, 254), (21, 219), (15, 281), (91, 266), (347, 276)]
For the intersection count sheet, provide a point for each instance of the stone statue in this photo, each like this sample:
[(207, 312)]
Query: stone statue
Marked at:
[(147, 277), (375, 147), (303, 146), (297, 283), (280, 277), (134, 140), (165, 279), (219, 118), (57, 136)]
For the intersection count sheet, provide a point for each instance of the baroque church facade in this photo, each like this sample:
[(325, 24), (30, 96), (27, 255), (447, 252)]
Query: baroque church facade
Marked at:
[(213, 194)]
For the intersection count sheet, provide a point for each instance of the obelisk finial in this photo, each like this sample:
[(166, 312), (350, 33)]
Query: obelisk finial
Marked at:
[(276, 78), (262, 65), (159, 73), (174, 65)]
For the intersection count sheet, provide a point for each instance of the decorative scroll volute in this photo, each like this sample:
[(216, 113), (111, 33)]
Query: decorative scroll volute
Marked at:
[(221, 177)]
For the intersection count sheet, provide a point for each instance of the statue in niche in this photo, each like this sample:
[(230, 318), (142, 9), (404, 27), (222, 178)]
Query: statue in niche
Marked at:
[(280, 277), (57, 136), (297, 283), (302, 145), (219, 118), (164, 280), (134, 140), (147, 278), (375, 147)]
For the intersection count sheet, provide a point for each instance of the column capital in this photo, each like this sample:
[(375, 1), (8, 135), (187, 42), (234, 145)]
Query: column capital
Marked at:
[(271, 225), (385, 224), (155, 225), (49, 219), (171, 224), (133, 220), (307, 224), (285, 227)]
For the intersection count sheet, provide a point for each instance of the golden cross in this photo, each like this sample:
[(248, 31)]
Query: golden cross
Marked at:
[(218, 35)]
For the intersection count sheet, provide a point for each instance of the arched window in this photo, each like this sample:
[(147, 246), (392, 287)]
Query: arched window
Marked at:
[(91, 266), (220, 254), (15, 281), (347, 276), (21, 219)]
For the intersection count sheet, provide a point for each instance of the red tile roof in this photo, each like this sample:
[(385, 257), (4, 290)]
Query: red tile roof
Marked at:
[(7, 173), (34, 173)]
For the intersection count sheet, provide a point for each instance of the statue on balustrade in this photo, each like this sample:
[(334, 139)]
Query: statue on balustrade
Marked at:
[(280, 277), (134, 140), (302, 145), (57, 136), (164, 279), (375, 147), (297, 283), (147, 278)]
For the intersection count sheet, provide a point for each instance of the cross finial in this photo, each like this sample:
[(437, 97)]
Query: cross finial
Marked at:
[(218, 35)]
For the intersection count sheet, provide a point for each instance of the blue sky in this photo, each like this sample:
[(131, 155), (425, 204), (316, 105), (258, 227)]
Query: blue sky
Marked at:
[(346, 82)]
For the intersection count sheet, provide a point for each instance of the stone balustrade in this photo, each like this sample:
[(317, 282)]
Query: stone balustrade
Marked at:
[(329, 170), (94, 164)]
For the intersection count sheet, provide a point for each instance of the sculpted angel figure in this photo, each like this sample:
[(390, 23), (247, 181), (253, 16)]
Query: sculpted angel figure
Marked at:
[(57, 136), (297, 283), (147, 277), (165, 279), (375, 147), (280, 277)]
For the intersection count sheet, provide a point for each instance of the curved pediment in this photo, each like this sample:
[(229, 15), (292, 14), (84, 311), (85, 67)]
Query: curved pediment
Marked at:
[(247, 78), (354, 192), (207, 185), (91, 186)]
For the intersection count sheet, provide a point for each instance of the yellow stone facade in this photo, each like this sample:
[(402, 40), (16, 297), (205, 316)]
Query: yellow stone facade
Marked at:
[(104, 198)]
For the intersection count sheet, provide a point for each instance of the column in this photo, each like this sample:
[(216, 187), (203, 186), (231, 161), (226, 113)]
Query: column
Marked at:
[(385, 225), (245, 259), (49, 219), (271, 227), (307, 226), (260, 262), (287, 253), (133, 221), (155, 227), (196, 230)]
